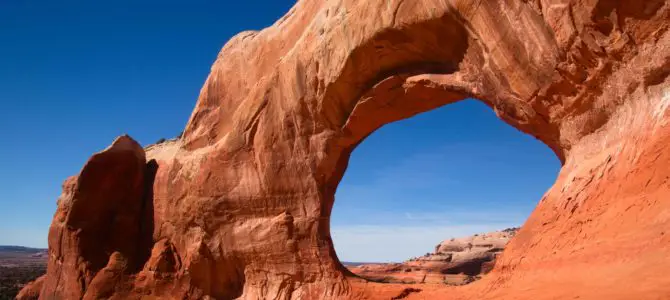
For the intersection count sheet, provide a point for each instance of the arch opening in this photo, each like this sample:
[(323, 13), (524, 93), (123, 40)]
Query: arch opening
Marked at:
[(451, 171)]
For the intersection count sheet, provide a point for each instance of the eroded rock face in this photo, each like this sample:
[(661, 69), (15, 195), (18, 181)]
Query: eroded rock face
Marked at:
[(100, 231), (241, 203), (32, 290)]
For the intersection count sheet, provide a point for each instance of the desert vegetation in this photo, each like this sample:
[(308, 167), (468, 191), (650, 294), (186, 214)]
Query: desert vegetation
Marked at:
[(12, 279), (18, 266)]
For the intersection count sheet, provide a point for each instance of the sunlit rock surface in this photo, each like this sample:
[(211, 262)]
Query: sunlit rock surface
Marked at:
[(241, 204)]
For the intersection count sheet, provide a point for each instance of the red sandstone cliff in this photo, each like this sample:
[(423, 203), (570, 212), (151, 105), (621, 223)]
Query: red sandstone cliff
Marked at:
[(240, 205)]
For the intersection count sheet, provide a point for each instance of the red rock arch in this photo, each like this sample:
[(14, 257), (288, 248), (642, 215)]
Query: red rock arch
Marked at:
[(241, 203)]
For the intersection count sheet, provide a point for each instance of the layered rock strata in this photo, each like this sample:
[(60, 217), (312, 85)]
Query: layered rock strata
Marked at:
[(456, 261)]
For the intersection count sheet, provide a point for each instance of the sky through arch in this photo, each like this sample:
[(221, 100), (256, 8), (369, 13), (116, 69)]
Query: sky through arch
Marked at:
[(452, 171)]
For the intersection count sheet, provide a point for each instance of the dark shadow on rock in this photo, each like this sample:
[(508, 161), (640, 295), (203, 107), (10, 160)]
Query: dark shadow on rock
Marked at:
[(146, 240)]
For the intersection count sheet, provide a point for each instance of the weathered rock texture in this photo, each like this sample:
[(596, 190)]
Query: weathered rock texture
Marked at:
[(101, 231), (32, 290), (242, 202), (456, 261)]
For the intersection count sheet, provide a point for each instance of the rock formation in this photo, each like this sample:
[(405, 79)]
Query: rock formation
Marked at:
[(456, 261), (101, 231), (241, 203), (32, 290)]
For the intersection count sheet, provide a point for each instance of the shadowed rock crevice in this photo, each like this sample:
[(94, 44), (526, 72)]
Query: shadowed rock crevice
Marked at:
[(405, 293), (146, 221)]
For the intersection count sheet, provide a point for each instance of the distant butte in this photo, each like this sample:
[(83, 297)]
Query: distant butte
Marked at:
[(457, 261), (239, 206)]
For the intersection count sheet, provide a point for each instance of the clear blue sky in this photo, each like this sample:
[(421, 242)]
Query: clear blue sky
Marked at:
[(453, 171), (76, 74)]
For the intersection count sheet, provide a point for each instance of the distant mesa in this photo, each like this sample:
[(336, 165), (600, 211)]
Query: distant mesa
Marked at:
[(456, 261), (20, 249)]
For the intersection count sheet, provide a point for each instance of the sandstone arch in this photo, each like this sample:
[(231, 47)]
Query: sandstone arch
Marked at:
[(241, 203)]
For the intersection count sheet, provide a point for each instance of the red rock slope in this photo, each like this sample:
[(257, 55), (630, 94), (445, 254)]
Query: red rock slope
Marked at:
[(241, 204)]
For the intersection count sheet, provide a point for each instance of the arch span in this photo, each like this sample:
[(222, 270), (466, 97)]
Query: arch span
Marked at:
[(243, 199)]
